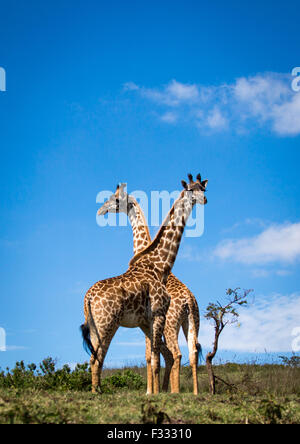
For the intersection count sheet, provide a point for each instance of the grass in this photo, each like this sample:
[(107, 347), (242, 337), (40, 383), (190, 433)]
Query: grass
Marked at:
[(246, 393)]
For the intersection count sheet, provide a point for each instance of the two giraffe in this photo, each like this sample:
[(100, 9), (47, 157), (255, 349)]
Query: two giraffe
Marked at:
[(183, 310), (139, 297)]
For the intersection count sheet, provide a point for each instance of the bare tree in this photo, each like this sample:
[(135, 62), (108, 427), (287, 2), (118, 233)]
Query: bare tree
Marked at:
[(221, 315)]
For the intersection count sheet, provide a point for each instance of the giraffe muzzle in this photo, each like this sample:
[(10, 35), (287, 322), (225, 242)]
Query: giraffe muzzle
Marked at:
[(102, 211)]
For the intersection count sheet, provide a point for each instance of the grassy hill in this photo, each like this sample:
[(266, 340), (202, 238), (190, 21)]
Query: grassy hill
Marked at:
[(246, 393)]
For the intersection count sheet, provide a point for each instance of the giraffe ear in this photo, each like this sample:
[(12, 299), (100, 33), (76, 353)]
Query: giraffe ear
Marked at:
[(204, 183), (184, 184), (122, 188)]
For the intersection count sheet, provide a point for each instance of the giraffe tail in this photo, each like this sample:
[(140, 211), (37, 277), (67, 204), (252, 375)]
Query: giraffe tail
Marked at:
[(86, 336), (194, 321), (200, 354)]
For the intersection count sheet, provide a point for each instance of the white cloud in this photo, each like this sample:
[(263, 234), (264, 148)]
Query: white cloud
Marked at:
[(286, 117), (181, 91), (266, 325), (190, 254), (282, 272), (130, 86), (264, 100), (215, 119), (254, 221), (173, 94), (278, 243), (270, 98), (169, 117), (264, 273), (261, 91), (15, 347)]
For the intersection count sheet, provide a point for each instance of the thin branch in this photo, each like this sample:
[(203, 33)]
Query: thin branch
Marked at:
[(217, 312)]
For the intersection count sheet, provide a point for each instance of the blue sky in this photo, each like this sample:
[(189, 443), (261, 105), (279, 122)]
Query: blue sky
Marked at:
[(146, 92)]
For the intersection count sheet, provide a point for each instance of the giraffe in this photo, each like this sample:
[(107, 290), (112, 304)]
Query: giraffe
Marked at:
[(138, 297), (183, 310)]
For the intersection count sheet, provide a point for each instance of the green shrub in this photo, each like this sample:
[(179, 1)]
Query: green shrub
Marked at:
[(122, 379), (293, 362), (47, 377)]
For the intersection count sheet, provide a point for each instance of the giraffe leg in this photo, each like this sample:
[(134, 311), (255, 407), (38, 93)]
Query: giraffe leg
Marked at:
[(147, 331), (101, 350), (155, 361), (194, 364), (149, 369), (168, 357), (175, 374), (156, 344), (172, 344), (169, 361), (193, 347), (96, 373)]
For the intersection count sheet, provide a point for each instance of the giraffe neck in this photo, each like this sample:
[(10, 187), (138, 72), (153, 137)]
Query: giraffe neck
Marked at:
[(162, 251), (141, 235)]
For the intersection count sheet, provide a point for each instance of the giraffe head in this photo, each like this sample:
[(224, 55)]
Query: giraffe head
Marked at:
[(195, 189), (117, 203)]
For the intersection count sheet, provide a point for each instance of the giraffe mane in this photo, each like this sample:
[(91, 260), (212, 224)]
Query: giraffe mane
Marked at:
[(142, 215), (156, 239)]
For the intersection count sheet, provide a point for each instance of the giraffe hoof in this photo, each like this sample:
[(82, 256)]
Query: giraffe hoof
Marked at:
[(96, 391)]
